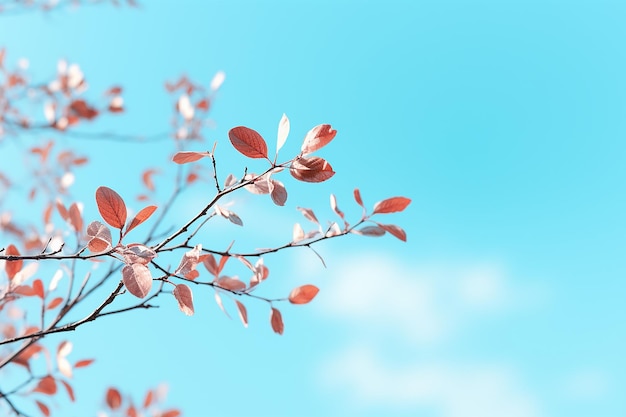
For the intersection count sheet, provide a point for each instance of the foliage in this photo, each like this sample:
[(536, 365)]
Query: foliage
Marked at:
[(95, 256)]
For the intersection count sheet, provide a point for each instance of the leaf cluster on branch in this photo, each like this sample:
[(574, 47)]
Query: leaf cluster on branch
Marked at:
[(91, 262)]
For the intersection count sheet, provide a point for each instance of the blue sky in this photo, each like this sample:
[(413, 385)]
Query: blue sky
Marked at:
[(503, 121)]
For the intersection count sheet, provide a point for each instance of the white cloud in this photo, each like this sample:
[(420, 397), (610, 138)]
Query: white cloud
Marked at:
[(451, 389), (405, 324)]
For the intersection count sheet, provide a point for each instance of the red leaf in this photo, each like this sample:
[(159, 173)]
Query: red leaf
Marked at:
[(230, 283), (54, 303), (248, 142), (146, 177), (391, 205), (137, 279), (38, 288), (113, 398), (47, 385), (44, 408), (140, 217), (209, 263), (314, 169), (111, 207), (148, 400), (276, 320), (317, 138), (303, 294), (83, 363), (70, 391), (278, 192), (184, 296), (185, 157), (333, 205), (203, 104), (243, 313), (357, 198), (24, 290), (171, 413), (81, 109), (12, 267), (397, 231), (76, 219), (308, 213)]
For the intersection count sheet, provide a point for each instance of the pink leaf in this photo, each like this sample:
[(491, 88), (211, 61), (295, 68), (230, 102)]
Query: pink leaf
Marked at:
[(243, 313), (248, 142), (76, 218), (276, 321), (391, 205), (209, 263), (185, 157), (313, 169), (137, 254), (140, 217), (397, 231), (189, 261), (317, 138), (298, 233), (218, 300), (137, 279), (303, 294), (333, 205), (357, 197), (230, 283), (278, 192), (184, 296), (308, 213), (111, 207), (100, 237)]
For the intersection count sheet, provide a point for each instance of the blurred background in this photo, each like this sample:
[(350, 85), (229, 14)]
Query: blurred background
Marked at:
[(503, 121)]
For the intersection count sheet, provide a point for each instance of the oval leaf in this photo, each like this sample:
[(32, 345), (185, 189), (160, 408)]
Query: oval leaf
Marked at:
[(314, 169), (317, 138), (185, 157), (278, 192), (141, 217), (303, 294), (397, 231), (391, 205), (12, 267), (113, 398), (276, 319), (247, 141), (111, 207), (137, 279), (184, 296), (370, 231)]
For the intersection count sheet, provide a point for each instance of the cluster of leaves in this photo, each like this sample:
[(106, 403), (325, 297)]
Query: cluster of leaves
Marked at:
[(124, 406), (141, 265)]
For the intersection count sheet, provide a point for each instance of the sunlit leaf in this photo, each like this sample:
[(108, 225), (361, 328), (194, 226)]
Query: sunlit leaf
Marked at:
[(317, 138), (303, 294), (283, 132), (184, 296), (313, 169), (276, 320), (185, 157), (248, 142), (111, 207), (391, 205), (140, 217), (137, 279)]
